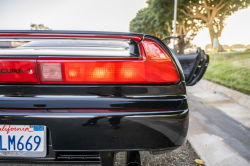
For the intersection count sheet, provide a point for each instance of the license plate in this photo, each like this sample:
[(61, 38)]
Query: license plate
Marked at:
[(22, 140)]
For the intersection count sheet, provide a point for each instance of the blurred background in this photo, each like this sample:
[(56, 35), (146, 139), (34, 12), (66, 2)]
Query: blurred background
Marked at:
[(198, 21), (220, 27)]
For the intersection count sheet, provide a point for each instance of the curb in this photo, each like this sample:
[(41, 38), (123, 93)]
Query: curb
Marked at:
[(238, 97)]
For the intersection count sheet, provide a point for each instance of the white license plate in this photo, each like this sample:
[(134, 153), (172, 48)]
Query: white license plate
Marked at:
[(22, 140)]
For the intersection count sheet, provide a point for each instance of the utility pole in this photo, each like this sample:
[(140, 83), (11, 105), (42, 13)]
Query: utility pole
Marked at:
[(174, 23)]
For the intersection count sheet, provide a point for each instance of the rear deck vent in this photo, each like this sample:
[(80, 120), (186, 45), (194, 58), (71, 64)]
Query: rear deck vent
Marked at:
[(39, 105), (86, 157)]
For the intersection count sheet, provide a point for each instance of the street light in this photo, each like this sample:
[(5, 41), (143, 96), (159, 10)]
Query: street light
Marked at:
[(174, 22)]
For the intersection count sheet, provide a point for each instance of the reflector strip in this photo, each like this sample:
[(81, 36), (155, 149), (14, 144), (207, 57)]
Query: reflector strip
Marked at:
[(104, 110), (58, 35), (81, 110)]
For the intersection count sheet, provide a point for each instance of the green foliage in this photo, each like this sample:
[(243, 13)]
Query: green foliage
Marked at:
[(227, 7), (192, 15), (157, 19), (163, 10), (145, 22), (209, 13), (231, 70), (212, 12)]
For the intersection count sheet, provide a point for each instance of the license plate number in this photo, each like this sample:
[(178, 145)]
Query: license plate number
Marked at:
[(23, 140)]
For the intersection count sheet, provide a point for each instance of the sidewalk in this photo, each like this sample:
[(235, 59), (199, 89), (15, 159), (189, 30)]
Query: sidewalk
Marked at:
[(238, 97), (233, 103), (219, 126)]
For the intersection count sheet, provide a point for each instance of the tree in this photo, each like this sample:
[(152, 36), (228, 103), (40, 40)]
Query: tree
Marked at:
[(212, 12), (186, 30), (145, 22), (157, 19), (39, 27)]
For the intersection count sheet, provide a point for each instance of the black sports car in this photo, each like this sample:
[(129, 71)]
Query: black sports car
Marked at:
[(76, 96)]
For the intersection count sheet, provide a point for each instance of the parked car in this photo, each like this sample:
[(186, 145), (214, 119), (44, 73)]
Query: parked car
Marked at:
[(76, 96)]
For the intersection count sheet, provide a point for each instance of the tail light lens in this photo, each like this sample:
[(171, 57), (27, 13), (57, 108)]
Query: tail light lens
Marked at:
[(95, 72), (18, 71), (159, 66), (156, 68), (51, 72)]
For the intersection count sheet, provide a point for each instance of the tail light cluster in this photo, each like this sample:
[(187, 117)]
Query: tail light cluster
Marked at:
[(154, 67)]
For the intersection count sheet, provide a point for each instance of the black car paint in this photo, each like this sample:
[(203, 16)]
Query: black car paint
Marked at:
[(194, 66), (153, 131)]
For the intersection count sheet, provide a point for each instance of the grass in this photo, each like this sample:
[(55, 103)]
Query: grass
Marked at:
[(231, 70)]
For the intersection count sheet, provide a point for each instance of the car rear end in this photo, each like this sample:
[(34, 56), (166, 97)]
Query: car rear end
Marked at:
[(69, 96)]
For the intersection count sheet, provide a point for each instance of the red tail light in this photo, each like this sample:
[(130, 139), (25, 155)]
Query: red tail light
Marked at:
[(18, 71), (154, 66), (83, 71), (159, 66)]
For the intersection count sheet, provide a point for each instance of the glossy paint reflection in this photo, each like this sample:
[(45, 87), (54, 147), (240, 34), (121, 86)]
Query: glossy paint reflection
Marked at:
[(124, 131)]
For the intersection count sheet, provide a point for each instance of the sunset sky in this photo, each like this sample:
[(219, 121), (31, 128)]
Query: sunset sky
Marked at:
[(102, 15)]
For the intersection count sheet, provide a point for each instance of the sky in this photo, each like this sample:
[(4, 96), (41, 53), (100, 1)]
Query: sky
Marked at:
[(102, 15), (95, 15)]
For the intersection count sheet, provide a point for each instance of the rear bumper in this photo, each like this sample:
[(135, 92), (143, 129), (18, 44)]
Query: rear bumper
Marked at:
[(68, 132), (112, 130), (108, 131)]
